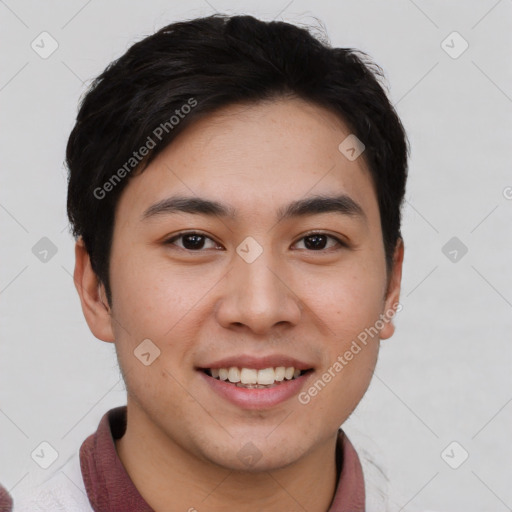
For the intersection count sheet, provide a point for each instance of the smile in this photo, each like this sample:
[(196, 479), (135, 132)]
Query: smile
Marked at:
[(252, 378), (255, 389)]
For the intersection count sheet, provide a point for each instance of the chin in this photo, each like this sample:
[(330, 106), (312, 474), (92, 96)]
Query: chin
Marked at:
[(255, 456), (265, 463)]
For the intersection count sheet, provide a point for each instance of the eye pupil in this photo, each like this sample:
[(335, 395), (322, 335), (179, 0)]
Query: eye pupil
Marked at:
[(196, 244), (317, 242)]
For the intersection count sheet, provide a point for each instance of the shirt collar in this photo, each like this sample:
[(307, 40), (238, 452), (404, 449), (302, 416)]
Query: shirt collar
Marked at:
[(109, 487)]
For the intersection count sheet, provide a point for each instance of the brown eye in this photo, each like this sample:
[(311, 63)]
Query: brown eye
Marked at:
[(319, 241), (191, 241)]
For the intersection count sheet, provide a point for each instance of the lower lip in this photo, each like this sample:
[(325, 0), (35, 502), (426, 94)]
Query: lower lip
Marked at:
[(256, 398)]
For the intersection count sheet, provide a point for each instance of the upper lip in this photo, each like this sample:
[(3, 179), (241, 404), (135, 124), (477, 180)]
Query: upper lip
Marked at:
[(259, 363)]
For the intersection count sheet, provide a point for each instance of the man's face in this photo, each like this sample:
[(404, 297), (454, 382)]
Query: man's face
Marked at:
[(249, 291)]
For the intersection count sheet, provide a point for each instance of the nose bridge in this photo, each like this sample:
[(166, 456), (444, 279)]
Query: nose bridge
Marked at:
[(258, 284), (258, 297)]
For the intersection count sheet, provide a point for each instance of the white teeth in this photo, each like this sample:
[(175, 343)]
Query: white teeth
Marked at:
[(251, 376), (266, 376), (234, 374), (280, 371)]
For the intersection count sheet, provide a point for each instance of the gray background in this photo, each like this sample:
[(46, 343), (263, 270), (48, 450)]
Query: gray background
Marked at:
[(446, 373)]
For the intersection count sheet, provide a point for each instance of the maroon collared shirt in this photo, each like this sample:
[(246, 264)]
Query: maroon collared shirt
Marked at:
[(110, 489), (5, 500)]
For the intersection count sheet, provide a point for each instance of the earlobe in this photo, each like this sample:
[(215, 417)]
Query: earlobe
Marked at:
[(96, 311), (391, 304)]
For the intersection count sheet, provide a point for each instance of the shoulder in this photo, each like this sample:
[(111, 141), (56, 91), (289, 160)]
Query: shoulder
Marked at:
[(63, 491), (380, 493)]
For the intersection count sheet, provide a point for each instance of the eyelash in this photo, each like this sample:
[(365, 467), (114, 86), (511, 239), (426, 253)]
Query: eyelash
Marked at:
[(171, 240)]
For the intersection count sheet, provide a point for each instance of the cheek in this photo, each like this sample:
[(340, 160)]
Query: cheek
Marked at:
[(153, 302), (146, 303), (346, 307), (350, 350), (345, 302)]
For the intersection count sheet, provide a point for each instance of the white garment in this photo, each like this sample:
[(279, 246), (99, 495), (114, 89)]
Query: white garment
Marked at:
[(64, 491)]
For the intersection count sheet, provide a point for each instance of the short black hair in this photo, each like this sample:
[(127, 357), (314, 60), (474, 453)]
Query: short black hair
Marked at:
[(189, 69)]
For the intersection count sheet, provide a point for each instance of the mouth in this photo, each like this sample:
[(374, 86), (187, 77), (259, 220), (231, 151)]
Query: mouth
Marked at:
[(253, 378), (256, 383)]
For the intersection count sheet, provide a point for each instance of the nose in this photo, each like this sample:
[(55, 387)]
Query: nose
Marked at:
[(258, 295)]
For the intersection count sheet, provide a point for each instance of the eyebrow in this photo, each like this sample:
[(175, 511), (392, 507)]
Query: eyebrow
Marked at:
[(341, 204)]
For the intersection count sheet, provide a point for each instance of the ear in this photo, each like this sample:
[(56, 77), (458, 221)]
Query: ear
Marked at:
[(92, 295), (391, 303)]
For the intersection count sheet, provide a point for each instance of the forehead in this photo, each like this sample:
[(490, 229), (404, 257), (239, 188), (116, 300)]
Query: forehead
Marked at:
[(256, 158)]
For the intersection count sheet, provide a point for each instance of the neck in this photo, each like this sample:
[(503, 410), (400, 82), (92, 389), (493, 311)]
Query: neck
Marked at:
[(163, 473)]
